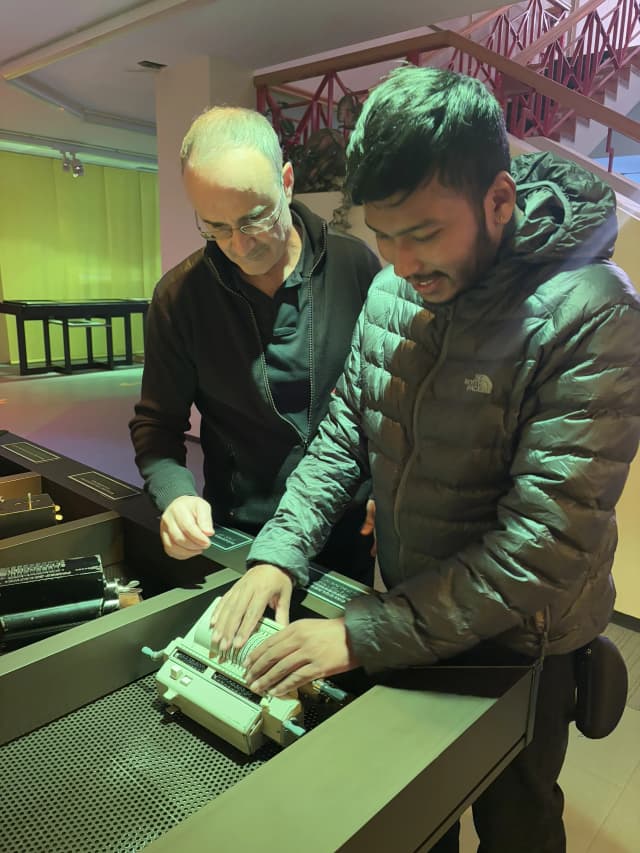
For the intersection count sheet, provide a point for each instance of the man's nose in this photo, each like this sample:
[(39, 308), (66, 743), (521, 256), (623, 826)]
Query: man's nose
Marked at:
[(406, 261), (241, 243)]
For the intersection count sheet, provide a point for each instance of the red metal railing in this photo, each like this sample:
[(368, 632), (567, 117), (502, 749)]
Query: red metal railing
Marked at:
[(320, 110), (601, 48), (511, 33), (582, 51)]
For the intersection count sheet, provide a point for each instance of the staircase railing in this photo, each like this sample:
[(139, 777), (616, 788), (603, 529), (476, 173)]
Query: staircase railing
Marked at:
[(583, 50), (512, 33), (546, 64), (506, 75)]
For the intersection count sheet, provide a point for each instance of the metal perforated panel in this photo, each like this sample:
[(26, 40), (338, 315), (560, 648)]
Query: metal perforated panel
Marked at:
[(112, 777)]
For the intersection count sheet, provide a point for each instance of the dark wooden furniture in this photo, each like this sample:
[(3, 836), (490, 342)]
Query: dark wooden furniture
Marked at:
[(90, 315)]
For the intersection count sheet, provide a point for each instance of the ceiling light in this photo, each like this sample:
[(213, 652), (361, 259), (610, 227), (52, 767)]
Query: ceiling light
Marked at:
[(77, 169)]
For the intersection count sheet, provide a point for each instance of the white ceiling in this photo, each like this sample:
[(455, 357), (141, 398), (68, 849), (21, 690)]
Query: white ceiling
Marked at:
[(105, 39)]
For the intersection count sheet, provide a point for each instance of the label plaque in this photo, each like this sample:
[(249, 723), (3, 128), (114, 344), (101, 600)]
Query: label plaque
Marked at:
[(105, 486), (30, 451)]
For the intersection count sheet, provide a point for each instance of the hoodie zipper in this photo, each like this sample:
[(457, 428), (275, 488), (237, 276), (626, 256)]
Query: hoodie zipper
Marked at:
[(422, 390), (304, 440), (312, 384), (543, 623)]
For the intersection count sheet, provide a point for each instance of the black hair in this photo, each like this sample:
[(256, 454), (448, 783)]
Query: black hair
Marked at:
[(423, 123)]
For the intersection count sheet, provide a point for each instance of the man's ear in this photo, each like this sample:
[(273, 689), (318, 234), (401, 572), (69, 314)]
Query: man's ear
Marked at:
[(288, 180), (499, 204)]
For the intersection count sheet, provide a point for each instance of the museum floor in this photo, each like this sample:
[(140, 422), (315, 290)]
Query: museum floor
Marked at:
[(85, 415)]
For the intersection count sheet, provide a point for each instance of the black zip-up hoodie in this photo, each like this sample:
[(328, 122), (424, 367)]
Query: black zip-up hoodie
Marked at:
[(203, 348)]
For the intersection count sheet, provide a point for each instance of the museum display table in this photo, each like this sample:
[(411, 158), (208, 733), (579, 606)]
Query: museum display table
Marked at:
[(82, 724)]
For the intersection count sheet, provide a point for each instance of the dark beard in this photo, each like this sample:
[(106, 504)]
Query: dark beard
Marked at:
[(484, 256)]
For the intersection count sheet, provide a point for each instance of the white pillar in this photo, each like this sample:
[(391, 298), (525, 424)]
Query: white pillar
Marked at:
[(182, 93)]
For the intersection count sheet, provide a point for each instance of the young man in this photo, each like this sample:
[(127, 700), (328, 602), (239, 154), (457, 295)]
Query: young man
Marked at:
[(254, 330), (493, 392)]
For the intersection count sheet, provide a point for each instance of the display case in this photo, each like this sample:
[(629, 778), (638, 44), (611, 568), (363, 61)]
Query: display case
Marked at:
[(99, 514)]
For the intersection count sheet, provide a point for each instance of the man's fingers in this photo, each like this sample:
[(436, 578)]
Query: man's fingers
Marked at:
[(241, 609), (184, 532), (204, 519), (226, 619), (369, 522), (177, 550), (278, 677), (191, 534), (237, 615), (252, 616), (297, 678), (238, 621), (282, 606), (272, 664), (180, 540), (185, 527)]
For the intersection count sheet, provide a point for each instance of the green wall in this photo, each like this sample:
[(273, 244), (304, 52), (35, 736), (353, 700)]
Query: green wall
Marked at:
[(62, 238)]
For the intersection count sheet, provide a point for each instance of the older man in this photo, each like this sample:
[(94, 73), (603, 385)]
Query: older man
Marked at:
[(254, 329)]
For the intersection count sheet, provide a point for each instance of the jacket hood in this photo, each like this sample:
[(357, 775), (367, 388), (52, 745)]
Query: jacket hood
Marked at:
[(563, 212)]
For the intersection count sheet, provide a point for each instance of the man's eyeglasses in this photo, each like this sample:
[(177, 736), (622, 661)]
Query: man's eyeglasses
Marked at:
[(256, 226)]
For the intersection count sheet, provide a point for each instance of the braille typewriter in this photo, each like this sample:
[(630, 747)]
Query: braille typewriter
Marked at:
[(198, 681)]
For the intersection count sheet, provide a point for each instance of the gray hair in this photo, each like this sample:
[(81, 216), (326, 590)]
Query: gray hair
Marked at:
[(220, 129)]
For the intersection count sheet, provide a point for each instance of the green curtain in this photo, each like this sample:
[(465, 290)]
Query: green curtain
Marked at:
[(66, 238)]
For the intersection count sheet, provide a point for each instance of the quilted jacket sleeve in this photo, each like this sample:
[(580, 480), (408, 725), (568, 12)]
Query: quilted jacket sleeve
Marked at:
[(323, 483), (555, 530)]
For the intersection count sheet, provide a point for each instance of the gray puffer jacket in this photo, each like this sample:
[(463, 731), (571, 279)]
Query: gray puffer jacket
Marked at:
[(498, 430)]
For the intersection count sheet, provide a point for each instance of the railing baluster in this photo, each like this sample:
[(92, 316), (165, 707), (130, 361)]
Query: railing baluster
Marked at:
[(581, 58)]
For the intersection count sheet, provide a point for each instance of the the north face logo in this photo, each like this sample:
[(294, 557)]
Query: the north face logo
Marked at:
[(480, 383)]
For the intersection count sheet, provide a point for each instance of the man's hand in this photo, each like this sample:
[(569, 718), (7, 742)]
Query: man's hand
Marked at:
[(306, 650), (369, 524), (185, 527), (236, 616)]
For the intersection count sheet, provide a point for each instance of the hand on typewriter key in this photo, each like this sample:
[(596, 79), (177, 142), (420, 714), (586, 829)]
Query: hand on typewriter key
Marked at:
[(306, 650), (236, 616)]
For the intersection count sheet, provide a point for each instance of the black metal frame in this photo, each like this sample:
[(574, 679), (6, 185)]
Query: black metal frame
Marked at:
[(88, 312)]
